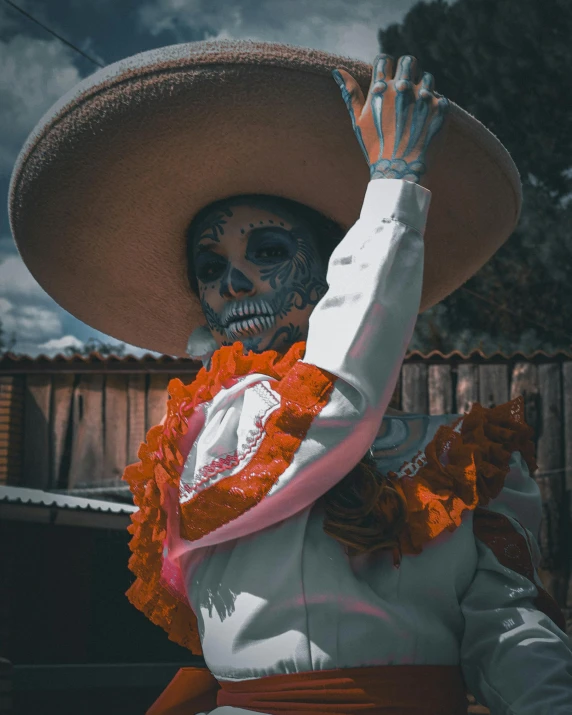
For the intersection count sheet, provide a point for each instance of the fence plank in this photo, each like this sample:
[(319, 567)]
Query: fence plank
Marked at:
[(86, 467), (115, 425), (440, 390), (395, 402), (524, 382), (493, 385), (136, 416), (156, 399), (62, 412), (550, 479), (36, 456), (414, 392), (467, 391)]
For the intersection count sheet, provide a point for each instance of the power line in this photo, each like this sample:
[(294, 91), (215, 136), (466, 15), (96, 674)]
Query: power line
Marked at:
[(55, 34)]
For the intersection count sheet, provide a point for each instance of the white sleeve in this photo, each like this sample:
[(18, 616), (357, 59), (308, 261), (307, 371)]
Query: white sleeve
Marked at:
[(515, 659), (239, 476)]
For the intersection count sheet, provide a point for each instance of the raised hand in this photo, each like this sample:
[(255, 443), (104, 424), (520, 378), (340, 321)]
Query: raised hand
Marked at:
[(399, 125)]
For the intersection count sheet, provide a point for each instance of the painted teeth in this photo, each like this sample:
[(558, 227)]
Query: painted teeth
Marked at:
[(249, 310), (250, 326)]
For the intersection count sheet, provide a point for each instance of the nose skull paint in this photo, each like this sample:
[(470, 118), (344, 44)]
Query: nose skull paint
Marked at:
[(234, 282)]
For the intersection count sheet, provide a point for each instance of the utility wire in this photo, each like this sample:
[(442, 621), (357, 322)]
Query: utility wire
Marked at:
[(55, 34)]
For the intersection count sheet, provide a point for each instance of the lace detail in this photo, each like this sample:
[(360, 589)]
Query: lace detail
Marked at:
[(155, 478), (304, 391), (467, 464), (228, 461), (464, 466), (231, 460)]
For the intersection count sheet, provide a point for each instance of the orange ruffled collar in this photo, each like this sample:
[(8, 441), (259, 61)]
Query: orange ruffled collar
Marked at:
[(466, 467)]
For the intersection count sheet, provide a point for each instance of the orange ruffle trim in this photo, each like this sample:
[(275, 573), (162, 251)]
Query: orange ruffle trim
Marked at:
[(304, 392), (437, 495), (162, 461), (477, 460)]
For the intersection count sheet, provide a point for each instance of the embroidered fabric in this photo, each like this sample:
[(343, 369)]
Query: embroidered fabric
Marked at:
[(466, 465), (304, 391), (398, 436), (247, 446)]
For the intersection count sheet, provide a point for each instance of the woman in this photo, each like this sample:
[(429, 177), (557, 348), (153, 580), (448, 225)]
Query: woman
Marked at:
[(311, 578)]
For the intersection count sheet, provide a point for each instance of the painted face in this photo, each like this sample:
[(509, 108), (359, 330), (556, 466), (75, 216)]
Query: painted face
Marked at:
[(259, 276)]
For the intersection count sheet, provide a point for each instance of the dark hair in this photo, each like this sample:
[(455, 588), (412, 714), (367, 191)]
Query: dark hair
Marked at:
[(326, 232), (364, 511)]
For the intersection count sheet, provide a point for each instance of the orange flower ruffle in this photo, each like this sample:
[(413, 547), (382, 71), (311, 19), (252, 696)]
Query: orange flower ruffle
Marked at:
[(472, 472), (162, 460), (304, 392)]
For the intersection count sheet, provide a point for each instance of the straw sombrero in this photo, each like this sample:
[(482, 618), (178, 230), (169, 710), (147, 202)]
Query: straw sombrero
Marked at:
[(109, 180)]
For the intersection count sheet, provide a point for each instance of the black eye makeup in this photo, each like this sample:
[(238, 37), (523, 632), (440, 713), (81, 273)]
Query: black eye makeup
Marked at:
[(209, 266), (270, 244)]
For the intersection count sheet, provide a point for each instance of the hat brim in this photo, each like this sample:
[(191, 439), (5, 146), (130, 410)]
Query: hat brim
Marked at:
[(110, 179)]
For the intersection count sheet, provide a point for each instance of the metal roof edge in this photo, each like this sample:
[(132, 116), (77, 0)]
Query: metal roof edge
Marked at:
[(39, 497), (95, 360)]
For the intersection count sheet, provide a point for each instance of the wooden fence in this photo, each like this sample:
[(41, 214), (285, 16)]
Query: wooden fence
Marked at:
[(73, 423)]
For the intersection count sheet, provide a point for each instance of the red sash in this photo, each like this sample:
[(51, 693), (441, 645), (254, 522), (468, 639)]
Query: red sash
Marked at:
[(374, 690)]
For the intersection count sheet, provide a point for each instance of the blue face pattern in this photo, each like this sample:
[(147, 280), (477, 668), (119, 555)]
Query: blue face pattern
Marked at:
[(259, 277)]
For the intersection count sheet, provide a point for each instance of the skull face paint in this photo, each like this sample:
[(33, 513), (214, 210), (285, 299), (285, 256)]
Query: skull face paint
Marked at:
[(259, 275)]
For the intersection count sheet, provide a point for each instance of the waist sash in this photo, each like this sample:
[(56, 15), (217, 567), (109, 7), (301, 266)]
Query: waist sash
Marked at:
[(372, 690)]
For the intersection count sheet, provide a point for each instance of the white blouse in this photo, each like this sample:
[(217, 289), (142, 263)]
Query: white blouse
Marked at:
[(274, 594)]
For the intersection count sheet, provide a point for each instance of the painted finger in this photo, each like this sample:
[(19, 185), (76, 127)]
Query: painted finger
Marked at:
[(406, 68), (418, 124), (382, 68), (351, 92), (354, 100), (427, 87), (428, 81), (437, 121), (404, 99)]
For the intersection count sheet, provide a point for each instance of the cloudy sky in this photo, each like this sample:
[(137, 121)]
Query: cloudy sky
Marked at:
[(36, 69)]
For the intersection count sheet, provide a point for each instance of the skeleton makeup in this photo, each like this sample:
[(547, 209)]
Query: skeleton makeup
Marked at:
[(258, 271)]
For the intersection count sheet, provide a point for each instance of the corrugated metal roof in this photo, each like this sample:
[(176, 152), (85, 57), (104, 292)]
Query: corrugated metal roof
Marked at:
[(499, 355), (95, 358), (41, 507), (38, 497), (117, 493), (10, 363)]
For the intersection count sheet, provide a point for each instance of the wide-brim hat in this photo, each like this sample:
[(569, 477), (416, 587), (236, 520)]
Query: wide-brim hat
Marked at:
[(109, 180)]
